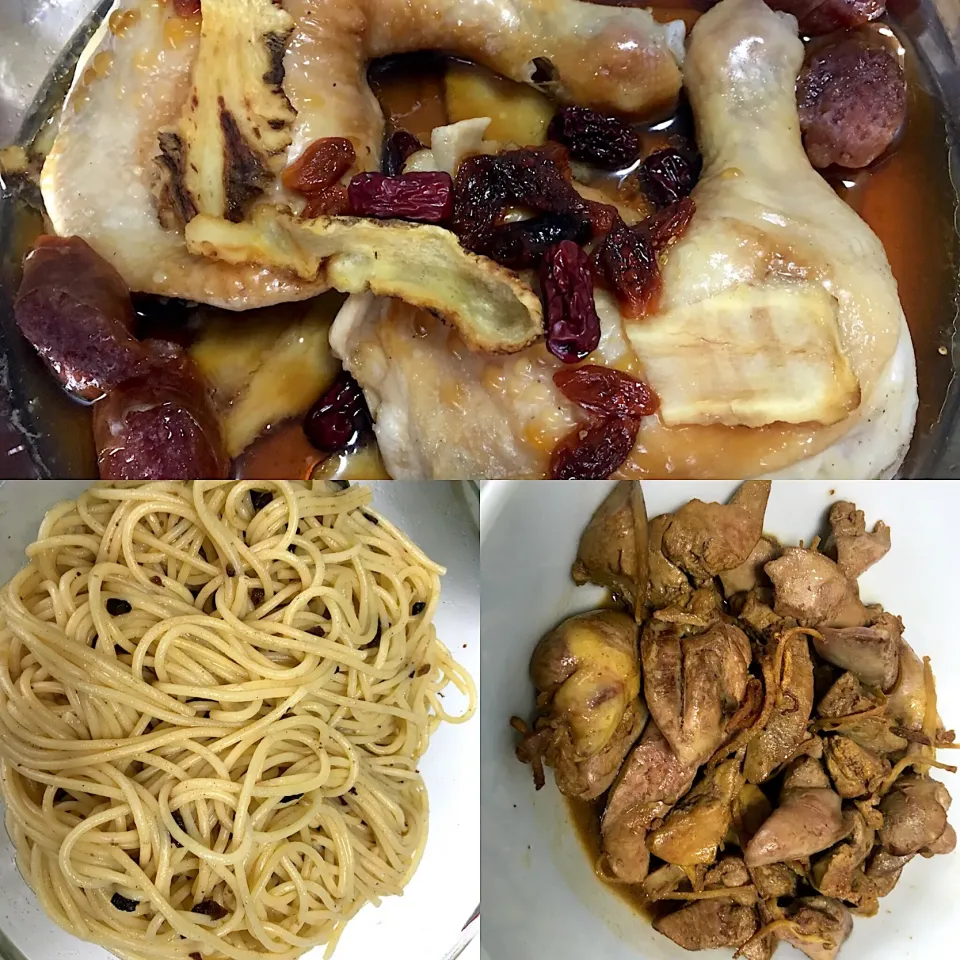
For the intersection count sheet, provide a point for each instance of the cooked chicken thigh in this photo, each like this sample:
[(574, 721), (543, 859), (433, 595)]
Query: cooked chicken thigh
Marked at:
[(778, 302), (779, 333), (149, 74)]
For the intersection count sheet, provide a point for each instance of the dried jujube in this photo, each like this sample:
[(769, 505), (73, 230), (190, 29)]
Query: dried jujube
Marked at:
[(424, 197), (570, 316)]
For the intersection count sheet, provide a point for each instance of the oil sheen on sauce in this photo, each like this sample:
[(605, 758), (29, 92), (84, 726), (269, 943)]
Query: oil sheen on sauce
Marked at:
[(906, 198)]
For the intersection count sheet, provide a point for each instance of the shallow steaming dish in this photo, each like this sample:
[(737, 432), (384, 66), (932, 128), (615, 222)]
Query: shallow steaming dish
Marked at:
[(215, 703), (744, 743), (534, 229)]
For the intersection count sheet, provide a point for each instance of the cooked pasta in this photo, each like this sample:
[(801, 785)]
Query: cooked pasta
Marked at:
[(213, 699)]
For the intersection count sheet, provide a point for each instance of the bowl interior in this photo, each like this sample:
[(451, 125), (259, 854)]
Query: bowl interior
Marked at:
[(540, 897)]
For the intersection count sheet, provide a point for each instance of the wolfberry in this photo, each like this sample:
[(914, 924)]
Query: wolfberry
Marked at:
[(626, 259), (606, 391), (330, 202), (665, 227), (320, 166), (593, 451)]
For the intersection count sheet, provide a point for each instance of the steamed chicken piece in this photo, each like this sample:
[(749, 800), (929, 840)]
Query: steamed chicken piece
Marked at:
[(99, 179), (588, 675), (794, 288), (441, 411), (696, 826), (607, 58), (229, 108)]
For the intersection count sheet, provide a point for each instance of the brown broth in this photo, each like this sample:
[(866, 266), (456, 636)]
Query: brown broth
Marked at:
[(585, 817), (281, 452), (907, 199)]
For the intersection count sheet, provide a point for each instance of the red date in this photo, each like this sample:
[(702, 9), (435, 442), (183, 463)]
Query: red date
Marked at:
[(424, 197), (605, 391), (570, 316), (593, 451)]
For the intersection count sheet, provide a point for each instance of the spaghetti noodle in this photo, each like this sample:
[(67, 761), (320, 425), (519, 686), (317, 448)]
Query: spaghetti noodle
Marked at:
[(213, 699)]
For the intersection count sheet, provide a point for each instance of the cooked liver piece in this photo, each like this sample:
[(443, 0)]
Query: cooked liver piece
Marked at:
[(852, 99), (913, 816), (705, 539), (707, 924), (807, 821), (849, 543), (650, 782)]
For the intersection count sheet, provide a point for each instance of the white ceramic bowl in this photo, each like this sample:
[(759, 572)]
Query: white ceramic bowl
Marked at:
[(540, 897), (426, 923)]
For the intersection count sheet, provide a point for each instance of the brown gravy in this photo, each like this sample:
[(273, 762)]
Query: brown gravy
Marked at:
[(585, 817)]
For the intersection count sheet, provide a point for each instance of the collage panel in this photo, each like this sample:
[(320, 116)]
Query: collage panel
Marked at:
[(302, 302), (516, 239), (718, 716), (238, 721)]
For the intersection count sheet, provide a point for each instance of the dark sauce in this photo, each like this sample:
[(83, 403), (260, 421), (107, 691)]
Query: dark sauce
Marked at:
[(907, 198), (585, 817)]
